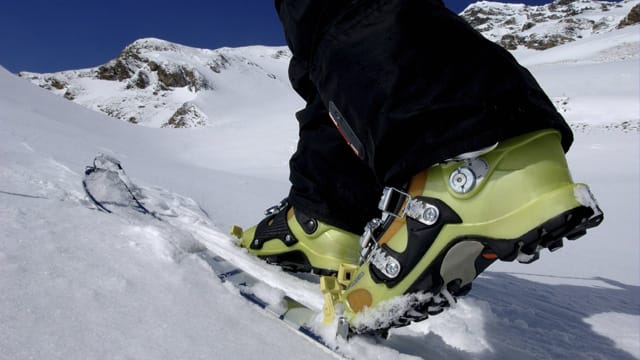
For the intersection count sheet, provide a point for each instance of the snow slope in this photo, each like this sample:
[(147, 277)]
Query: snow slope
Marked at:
[(78, 284)]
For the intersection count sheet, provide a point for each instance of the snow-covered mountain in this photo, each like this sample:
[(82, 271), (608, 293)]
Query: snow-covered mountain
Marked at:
[(157, 83), (161, 84), (542, 27), (76, 283)]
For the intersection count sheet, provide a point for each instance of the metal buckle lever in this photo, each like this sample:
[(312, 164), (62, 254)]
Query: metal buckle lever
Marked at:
[(393, 202), (277, 208), (399, 204), (368, 240)]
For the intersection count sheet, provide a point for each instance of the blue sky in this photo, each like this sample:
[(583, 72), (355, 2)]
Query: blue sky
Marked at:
[(54, 35)]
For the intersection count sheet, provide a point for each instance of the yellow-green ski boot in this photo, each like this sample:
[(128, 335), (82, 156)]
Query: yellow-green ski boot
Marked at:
[(453, 221), (297, 242)]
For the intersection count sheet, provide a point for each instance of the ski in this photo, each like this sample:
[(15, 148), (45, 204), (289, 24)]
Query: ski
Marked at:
[(294, 314), (111, 191)]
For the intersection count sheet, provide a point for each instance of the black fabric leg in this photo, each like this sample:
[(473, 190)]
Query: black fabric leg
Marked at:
[(328, 181)]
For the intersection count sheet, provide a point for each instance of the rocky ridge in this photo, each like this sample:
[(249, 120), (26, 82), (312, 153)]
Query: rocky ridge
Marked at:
[(157, 83), (542, 27)]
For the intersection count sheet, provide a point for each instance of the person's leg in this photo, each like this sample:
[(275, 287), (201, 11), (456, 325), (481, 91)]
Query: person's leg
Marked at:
[(412, 87), (333, 195), (470, 147)]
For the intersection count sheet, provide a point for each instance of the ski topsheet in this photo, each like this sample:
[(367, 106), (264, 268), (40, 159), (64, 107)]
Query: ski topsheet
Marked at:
[(111, 191)]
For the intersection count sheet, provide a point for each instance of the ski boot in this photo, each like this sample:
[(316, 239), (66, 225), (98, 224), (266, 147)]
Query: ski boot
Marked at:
[(299, 243), (454, 220)]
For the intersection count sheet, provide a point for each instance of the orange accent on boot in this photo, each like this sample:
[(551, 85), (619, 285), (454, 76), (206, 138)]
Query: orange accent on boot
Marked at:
[(490, 256), (391, 231), (359, 299), (417, 184), (290, 214), (416, 187)]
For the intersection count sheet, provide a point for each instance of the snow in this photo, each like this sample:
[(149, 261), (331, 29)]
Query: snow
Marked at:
[(619, 327), (76, 283)]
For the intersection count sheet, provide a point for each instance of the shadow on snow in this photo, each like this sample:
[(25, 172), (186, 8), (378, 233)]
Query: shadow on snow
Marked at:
[(531, 320)]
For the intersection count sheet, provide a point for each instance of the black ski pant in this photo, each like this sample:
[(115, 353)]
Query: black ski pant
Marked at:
[(408, 84)]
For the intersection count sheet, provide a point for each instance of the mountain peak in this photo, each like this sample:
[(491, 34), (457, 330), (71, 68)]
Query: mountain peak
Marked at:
[(153, 44)]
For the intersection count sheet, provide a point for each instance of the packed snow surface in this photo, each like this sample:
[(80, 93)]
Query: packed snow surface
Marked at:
[(76, 283)]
